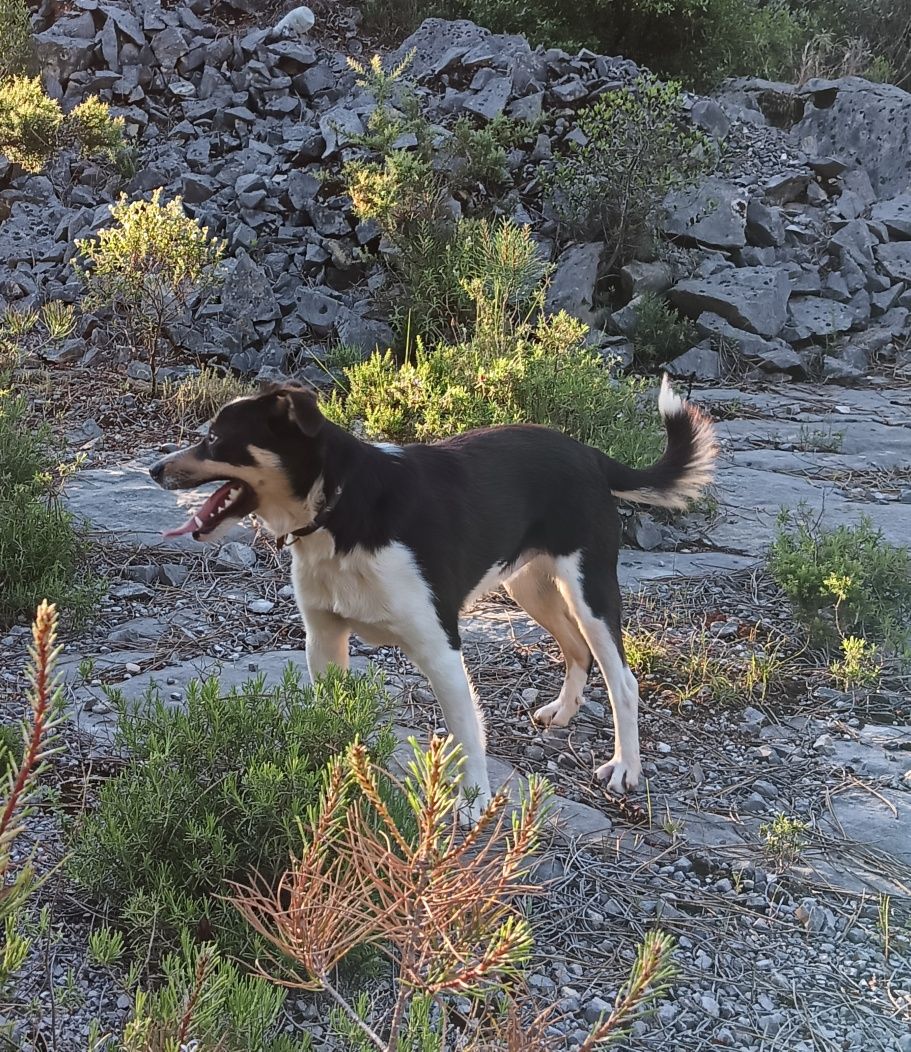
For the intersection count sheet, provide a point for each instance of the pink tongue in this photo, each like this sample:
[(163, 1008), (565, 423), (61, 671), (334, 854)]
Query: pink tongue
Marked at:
[(212, 502)]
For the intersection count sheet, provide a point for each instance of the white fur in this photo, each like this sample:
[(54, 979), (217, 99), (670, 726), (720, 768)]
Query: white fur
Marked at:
[(701, 469), (384, 598), (296, 23), (624, 768), (389, 447)]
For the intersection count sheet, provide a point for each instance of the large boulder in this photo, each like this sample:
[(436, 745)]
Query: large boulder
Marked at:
[(572, 286), (813, 317), (751, 298), (714, 214), (895, 215), (895, 260), (864, 123)]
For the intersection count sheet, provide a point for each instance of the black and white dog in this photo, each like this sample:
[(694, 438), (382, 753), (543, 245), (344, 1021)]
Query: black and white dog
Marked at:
[(392, 543)]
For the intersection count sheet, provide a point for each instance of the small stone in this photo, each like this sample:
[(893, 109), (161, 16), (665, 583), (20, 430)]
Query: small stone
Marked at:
[(596, 1009), (260, 606)]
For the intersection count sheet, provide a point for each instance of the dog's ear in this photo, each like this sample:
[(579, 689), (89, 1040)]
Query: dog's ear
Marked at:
[(297, 405)]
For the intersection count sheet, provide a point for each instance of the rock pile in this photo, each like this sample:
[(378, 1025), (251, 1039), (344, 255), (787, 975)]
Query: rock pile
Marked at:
[(799, 246)]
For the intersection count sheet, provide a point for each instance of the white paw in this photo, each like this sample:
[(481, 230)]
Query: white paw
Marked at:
[(556, 714), (473, 801), (621, 777)]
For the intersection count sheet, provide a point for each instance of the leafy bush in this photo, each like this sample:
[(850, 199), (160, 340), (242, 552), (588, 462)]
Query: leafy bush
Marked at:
[(661, 333), (33, 128), (42, 554), (843, 581), (30, 122), (198, 398), (510, 371), (146, 268), (207, 1004), (91, 126), (396, 193), (637, 148), (478, 154), (17, 53), (214, 793)]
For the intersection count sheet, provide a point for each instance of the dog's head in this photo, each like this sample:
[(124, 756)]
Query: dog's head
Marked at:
[(265, 452)]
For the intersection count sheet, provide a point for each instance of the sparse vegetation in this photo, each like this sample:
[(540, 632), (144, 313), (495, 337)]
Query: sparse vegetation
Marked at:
[(17, 54), (843, 581), (662, 333), (208, 1005), (42, 552), (858, 665), (19, 777), (440, 904), (784, 838), (637, 147), (145, 268), (214, 792), (198, 398), (30, 122)]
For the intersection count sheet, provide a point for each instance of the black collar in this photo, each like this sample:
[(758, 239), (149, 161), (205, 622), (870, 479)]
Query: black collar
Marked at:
[(319, 521)]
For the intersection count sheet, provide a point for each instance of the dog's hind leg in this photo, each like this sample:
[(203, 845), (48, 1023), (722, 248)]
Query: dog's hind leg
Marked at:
[(327, 640), (588, 583), (535, 590)]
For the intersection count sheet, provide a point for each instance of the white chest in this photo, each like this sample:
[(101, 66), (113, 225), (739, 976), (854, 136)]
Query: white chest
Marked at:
[(383, 588)]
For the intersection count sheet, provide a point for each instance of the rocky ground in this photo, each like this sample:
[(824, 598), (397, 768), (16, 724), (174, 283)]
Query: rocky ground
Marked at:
[(794, 259), (773, 954)]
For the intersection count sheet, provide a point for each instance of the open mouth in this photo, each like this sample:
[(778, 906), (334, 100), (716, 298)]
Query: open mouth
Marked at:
[(232, 500)]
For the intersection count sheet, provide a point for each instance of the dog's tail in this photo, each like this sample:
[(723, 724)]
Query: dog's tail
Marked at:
[(687, 465)]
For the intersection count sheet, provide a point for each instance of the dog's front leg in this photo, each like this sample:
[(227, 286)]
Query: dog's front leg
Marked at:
[(448, 677), (327, 640)]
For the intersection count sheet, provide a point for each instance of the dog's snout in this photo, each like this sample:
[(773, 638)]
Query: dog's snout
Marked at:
[(157, 471)]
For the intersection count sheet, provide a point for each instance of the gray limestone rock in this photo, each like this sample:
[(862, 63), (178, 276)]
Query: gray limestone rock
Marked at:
[(366, 334), (714, 213), (708, 115), (867, 124), (752, 298), (247, 293), (317, 309), (765, 225), (636, 278), (812, 317), (67, 46), (895, 215), (701, 362), (895, 259), (491, 100), (572, 285)]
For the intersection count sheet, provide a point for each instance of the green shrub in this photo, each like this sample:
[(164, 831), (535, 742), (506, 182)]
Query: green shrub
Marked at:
[(33, 128), (30, 123), (478, 154), (509, 371), (145, 269), (638, 147), (207, 1004), (213, 793), (91, 126), (400, 191), (843, 581), (42, 554), (198, 398), (17, 53), (662, 334)]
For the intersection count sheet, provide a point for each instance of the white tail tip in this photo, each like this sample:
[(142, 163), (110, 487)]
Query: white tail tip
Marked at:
[(669, 402)]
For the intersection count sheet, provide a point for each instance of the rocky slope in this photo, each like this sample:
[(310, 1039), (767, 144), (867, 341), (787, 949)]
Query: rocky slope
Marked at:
[(799, 243)]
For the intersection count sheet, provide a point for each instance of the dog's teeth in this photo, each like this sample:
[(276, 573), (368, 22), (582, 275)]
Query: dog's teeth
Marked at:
[(198, 521), (233, 494)]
